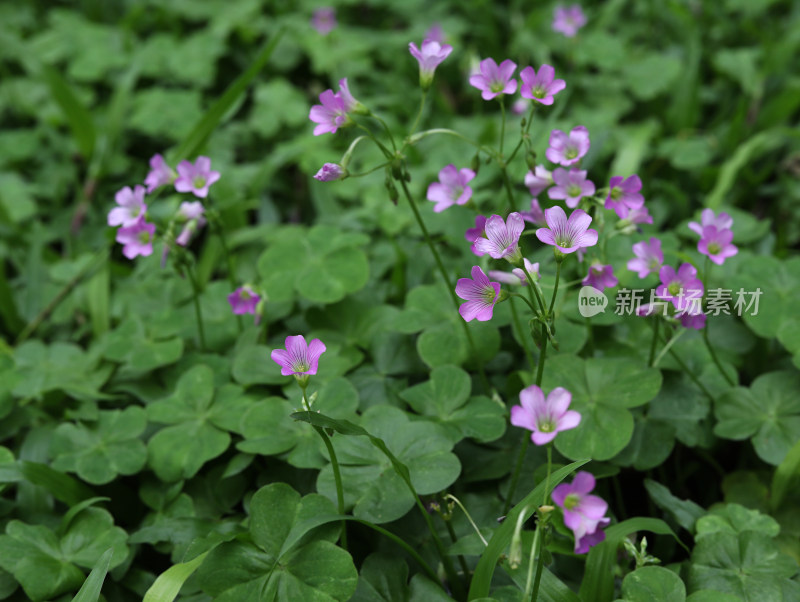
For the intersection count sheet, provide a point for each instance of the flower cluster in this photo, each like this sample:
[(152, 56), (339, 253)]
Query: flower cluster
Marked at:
[(494, 80), (135, 234)]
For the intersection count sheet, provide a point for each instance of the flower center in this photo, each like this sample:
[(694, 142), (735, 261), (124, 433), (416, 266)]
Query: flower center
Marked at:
[(199, 182), (714, 248), (572, 501), (546, 426), (616, 193), (653, 263), (574, 190), (135, 211), (563, 241), (497, 86), (244, 295), (538, 92), (674, 288), (144, 237), (457, 192), (571, 153), (488, 294), (300, 366)]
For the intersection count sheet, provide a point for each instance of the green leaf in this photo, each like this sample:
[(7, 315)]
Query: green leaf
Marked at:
[(602, 390), (130, 345), (779, 282), (653, 583), (169, 583), (685, 512), (312, 569), (787, 471), (63, 487), (768, 413), (90, 590), (383, 577), (78, 116), (735, 519)]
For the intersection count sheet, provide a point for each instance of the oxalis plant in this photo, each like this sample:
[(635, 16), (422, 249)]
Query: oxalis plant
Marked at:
[(475, 423)]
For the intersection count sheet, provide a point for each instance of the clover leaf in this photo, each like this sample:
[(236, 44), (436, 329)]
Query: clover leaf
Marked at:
[(278, 562), (768, 413), (99, 453), (446, 398), (653, 583), (602, 391), (130, 345), (371, 486)]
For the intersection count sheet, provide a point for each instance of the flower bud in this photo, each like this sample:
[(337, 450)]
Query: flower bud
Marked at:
[(330, 172)]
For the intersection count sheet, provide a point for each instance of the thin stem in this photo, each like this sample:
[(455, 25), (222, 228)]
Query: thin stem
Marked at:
[(454, 539), (529, 303), (455, 583), (547, 477), (507, 186), (533, 289), (503, 123), (372, 137), (419, 113), (555, 289), (714, 357), (388, 132), (400, 542), (417, 137), (469, 518), (668, 346), (220, 232), (534, 553), (198, 314), (447, 280), (337, 477), (522, 336), (541, 525), (691, 375), (369, 171), (539, 567), (654, 343), (524, 134)]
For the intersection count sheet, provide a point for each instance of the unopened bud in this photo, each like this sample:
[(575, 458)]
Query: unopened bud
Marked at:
[(476, 163)]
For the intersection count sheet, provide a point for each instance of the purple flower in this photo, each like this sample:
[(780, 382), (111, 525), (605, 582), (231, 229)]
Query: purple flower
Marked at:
[(567, 235), (429, 57), (571, 186), (583, 513), (633, 216), (600, 277), (494, 80), (435, 33), (568, 20), (696, 321), (540, 87), (196, 178), (473, 234), (137, 239), (451, 189), (131, 207), (538, 180), (716, 244), (566, 149), (517, 276), (649, 257), (519, 106), (535, 215), (545, 417), (160, 173), (192, 214), (244, 300), (683, 288), (625, 192), (330, 115), (324, 20), (502, 238), (329, 172), (480, 295), (723, 221), (299, 358), (351, 105)]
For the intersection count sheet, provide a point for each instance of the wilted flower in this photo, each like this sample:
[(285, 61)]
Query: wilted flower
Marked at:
[(299, 358), (568, 20), (196, 177), (517, 276), (160, 173), (625, 191), (600, 277), (131, 207), (571, 186), (480, 295), (583, 513), (493, 80), (723, 221), (535, 215), (545, 417), (451, 189), (429, 57), (244, 300), (137, 239), (329, 172), (502, 238), (324, 20), (717, 245), (568, 149), (538, 180), (541, 86), (567, 235), (649, 257)]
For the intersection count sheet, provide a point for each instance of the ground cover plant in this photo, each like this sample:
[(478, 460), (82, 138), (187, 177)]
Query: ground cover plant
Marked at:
[(399, 301)]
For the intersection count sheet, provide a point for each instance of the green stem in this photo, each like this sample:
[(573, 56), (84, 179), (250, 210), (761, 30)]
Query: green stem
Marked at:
[(654, 343), (197, 311), (555, 289), (369, 171), (535, 552), (507, 186), (386, 129), (691, 375), (419, 113), (533, 289), (524, 134), (447, 280), (503, 123), (220, 232), (541, 525), (525, 299), (523, 336), (714, 357), (337, 477), (454, 539), (417, 137), (399, 541), (387, 153)]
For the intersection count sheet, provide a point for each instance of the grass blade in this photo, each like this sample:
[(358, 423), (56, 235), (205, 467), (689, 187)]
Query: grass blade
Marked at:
[(90, 590)]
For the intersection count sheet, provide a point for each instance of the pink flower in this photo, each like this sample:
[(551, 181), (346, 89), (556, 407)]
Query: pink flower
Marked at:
[(473, 234), (568, 20), (567, 235), (633, 216), (493, 80), (192, 214), (137, 239), (329, 172), (351, 105), (649, 257), (625, 192), (535, 215), (600, 277), (502, 238), (435, 33), (330, 115), (571, 186), (480, 295), (299, 358), (517, 276), (244, 300), (696, 321), (196, 178), (566, 149), (545, 417), (717, 245), (451, 189), (131, 207), (540, 87), (519, 106), (429, 57), (583, 513), (723, 221), (683, 288), (160, 173), (324, 20), (538, 180)]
